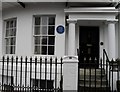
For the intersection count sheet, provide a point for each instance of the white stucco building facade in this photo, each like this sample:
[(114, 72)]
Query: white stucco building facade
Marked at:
[(66, 43), (61, 29)]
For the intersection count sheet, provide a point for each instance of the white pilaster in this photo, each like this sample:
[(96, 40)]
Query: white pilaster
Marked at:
[(111, 39), (71, 37), (70, 74)]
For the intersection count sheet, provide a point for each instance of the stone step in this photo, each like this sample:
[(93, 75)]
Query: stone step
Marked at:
[(92, 77), (91, 71), (98, 77), (97, 85), (93, 82)]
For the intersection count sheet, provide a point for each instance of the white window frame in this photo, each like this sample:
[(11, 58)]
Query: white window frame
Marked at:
[(43, 35), (9, 36)]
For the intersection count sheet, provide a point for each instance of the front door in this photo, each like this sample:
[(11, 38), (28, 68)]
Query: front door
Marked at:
[(89, 46)]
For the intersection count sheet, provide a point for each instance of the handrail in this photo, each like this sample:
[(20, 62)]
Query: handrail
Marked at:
[(104, 52)]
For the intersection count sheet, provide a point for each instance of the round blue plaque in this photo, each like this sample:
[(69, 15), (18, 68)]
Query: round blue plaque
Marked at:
[(60, 29)]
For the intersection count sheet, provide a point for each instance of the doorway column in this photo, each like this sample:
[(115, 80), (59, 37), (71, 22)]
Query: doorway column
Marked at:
[(111, 39), (71, 37)]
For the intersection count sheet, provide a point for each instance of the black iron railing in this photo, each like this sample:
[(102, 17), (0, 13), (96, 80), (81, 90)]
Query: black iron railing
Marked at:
[(104, 78), (31, 74)]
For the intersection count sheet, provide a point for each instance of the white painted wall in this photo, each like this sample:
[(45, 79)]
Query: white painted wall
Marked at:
[(119, 36), (117, 39), (24, 36), (1, 36)]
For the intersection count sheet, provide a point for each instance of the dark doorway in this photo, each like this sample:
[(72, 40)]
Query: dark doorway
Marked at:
[(89, 46)]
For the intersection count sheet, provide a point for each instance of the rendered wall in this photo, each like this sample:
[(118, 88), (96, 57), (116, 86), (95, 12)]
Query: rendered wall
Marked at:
[(0, 28), (24, 36)]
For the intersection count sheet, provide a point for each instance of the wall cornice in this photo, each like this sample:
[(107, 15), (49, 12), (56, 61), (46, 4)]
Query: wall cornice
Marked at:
[(105, 10)]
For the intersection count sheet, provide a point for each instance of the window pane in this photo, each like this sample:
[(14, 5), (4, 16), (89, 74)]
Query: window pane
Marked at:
[(7, 49), (7, 24), (12, 49), (11, 23), (37, 40), (50, 84), (51, 40), (13, 32), (37, 50), (44, 20), (14, 24), (10, 32), (51, 30), (7, 41), (51, 50), (37, 30), (44, 30), (44, 50), (37, 20), (44, 40), (7, 33), (51, 20), (12, 41), (43, 84)]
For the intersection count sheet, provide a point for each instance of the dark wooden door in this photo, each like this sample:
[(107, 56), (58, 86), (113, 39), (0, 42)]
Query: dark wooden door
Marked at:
[(89, 46)]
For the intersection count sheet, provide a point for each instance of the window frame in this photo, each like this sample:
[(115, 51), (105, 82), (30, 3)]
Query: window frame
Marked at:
[(41, 36), (9, 36)]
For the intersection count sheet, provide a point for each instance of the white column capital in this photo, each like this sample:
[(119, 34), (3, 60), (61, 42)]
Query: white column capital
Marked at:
[(111, 21), (72, 21)]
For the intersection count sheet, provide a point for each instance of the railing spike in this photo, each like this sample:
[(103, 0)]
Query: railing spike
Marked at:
[(90, 59), (84, 58), (16, 57), (61, 59), (12, 57), (112, 60), (95, 59), (3, 57)]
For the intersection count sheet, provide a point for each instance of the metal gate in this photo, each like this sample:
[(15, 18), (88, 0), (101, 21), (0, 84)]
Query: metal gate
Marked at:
[(104, 78)]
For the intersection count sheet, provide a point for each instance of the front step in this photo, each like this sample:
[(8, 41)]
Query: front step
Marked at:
[(93, 71), (87, 74), (92, 77), (93, 80)]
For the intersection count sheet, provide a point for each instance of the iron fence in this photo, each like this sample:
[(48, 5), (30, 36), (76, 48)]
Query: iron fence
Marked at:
[(31, 74), (103, 78)]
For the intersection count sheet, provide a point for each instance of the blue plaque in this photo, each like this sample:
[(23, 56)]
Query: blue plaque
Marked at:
[(60, 29)]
